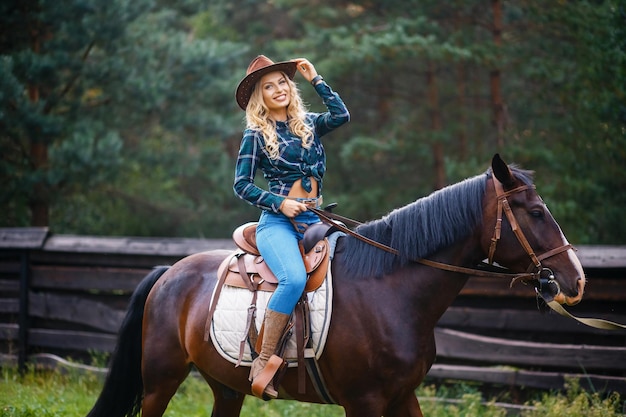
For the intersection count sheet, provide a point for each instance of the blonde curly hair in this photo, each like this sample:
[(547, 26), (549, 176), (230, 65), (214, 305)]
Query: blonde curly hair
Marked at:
[(257, 117)]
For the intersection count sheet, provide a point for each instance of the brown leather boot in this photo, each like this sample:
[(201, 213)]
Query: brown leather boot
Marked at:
[(264, 367)]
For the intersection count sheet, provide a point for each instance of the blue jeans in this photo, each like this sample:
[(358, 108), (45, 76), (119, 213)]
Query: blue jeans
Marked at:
[(277, 240)]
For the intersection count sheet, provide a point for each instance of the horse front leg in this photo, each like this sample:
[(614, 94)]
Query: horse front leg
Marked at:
[(406, 406)]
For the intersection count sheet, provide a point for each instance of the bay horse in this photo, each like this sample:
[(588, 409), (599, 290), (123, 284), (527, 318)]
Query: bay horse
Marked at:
[(381, 342)]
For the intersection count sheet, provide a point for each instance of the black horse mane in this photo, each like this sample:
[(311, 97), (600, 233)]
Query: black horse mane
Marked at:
[(421, 228)]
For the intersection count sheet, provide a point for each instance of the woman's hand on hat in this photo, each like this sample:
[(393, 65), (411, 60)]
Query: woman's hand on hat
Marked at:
[(291, 208), (305, 68)]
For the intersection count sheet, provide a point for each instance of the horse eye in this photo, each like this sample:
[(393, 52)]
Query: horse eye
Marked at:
[(538, 214)]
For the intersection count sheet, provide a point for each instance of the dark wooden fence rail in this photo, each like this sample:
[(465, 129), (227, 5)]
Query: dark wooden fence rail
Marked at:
[(67, 295)]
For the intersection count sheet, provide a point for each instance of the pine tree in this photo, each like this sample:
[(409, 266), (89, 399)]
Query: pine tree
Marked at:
[(50, 68)]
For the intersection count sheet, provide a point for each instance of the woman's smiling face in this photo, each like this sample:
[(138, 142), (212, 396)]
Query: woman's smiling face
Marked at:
[(276, 94)]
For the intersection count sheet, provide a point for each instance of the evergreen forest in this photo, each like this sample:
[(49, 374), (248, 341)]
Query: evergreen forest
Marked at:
[(118, 117)]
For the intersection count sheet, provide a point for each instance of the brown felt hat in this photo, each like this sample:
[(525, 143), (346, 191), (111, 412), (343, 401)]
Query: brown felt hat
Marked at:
[(260, 66)]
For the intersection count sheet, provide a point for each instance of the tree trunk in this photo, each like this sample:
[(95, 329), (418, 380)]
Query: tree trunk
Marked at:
[(39, 200), (495, 75), (435, 120), (462, 122)]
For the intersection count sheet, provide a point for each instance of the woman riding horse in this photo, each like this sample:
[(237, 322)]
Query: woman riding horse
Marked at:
[(381, 342), (283, 141)]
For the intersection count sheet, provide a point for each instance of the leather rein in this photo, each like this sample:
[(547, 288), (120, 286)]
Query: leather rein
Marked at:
[(503, 205), (535, 272)]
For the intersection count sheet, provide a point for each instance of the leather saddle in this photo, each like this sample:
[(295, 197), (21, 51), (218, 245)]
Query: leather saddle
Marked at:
[(249, 264), (247, 269)]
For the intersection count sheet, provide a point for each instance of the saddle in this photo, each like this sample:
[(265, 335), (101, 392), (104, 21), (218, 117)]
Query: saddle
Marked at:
[(247, 269)]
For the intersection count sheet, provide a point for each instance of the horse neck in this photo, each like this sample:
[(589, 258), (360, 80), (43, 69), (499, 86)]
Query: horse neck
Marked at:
[(436, 289)]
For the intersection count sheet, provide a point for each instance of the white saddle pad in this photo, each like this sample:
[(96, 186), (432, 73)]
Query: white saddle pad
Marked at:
[(230, 319)]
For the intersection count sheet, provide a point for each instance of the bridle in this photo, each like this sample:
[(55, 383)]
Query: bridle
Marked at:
[(544, 281), (536, 272), (503, 205)]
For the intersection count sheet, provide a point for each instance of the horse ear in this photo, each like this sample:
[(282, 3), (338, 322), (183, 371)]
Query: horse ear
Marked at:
[(501, 171)]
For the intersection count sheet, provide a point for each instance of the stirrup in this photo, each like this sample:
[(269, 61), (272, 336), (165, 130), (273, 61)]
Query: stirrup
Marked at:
[(263, 379)]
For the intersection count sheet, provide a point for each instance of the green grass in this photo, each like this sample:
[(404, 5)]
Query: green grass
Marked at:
[(44, 393), (577, 403)]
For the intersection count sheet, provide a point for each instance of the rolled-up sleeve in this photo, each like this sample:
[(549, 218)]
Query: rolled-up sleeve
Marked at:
[(337, 113)]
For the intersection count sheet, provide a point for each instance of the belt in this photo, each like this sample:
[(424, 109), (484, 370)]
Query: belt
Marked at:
[(311, 202), (315, 202)]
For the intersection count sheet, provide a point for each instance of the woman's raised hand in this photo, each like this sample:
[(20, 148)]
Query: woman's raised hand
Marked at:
[(305, 68)]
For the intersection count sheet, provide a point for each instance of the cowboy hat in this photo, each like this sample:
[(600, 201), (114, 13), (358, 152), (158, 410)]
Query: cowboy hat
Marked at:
[(260, 66)]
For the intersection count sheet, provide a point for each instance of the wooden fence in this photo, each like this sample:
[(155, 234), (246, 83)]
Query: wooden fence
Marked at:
[(67, 295)]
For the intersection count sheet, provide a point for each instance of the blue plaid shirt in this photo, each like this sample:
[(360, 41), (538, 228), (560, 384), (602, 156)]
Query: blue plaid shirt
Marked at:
[(294, 162)]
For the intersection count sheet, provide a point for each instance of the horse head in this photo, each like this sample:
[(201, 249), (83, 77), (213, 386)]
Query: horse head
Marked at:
[(520, 233)]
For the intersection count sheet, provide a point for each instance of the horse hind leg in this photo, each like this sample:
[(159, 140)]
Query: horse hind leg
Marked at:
[(227, 403), (162, 376), (163, 385), (157, 395), (407, 406)]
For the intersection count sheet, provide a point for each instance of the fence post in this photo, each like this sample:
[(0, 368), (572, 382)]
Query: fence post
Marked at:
[(23, 321), (21, 241)]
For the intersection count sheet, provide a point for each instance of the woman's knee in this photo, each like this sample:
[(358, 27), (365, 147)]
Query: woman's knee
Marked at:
[(294, 284)]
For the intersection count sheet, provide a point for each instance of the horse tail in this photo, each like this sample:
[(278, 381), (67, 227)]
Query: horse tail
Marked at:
[(123, 387)]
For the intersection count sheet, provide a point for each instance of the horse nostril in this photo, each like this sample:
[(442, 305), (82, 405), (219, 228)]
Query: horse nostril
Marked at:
[(580, 286)]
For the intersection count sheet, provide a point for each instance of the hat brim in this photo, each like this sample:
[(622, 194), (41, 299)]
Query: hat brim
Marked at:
[(245, 87)]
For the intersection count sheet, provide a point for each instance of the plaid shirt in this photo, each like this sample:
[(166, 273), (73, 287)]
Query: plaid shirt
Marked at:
[(294, 162)]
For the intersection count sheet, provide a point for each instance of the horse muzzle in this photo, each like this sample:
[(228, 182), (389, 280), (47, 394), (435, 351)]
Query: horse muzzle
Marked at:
[(549, 289)]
